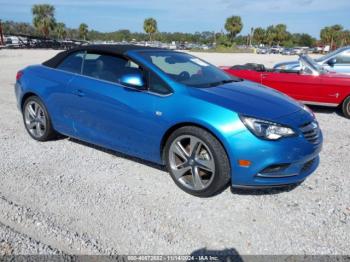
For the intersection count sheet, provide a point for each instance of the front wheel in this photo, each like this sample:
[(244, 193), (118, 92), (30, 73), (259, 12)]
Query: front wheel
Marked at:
[(346, 107), (197, 162)]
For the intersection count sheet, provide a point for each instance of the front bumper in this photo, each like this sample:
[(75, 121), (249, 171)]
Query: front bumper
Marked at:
[(297, 157)]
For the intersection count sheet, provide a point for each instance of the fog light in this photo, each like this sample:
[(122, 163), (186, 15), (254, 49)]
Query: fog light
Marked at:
[(275, 168)]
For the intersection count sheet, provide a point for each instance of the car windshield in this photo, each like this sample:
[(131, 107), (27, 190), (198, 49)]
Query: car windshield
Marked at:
[(329, 55), (187, 69), (309, 66)]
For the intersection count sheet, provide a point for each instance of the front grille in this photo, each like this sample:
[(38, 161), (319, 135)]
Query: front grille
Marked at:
[(311, 132)]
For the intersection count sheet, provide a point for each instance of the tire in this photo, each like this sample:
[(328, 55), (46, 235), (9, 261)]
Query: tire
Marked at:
[(202, 172), (37, 120), (346, 107)]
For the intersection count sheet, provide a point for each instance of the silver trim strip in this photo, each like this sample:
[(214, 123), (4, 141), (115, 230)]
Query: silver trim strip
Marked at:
[(276, 176), (319, 103)]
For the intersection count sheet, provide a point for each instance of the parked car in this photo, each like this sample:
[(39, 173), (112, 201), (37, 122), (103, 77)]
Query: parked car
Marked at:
[(262, 50), (298, 50), (172, 108), (275, 50), (336, 61), (12, 41), (288, 51), (311, 84)]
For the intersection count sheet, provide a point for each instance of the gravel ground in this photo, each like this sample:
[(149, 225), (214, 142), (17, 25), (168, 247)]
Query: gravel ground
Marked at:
[(67, 196), (12, 242)]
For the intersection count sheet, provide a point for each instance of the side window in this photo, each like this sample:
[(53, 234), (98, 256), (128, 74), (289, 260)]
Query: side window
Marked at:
[(106, 67), (343, 58), (157, 85), (72, 63)]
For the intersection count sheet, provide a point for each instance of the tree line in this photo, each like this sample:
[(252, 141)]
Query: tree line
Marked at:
[(45, 24)]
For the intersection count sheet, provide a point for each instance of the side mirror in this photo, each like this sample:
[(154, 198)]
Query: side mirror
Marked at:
[(133, 80), (332, 61)]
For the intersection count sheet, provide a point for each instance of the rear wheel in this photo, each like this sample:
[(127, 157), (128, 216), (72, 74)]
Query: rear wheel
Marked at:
[(346, 107), (37, 120), (197, 162)]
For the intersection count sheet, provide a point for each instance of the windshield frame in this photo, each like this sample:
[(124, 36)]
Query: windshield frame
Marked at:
[(312, 65), (328, 56)]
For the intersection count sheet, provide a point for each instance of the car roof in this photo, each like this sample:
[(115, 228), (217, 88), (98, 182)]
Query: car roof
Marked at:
[(107, 49)]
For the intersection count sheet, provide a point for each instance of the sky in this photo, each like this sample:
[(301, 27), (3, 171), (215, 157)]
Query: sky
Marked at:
[(300, 16)]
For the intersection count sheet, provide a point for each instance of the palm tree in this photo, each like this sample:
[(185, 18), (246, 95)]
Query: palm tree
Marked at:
[(325, 35), (259, 35), (281, 33), (83, 30), (234, 26), (270, 35), (44, 18), (331, 34), (150, 27), (345, 37), (61, 30), (336, 33)]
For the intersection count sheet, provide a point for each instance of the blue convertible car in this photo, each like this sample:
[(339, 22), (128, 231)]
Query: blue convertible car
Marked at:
[(210, 129)]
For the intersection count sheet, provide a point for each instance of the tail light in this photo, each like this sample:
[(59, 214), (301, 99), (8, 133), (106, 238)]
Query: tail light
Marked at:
[(19, 75)]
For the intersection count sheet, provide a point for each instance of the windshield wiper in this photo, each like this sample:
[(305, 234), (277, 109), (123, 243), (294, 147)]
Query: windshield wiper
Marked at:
[(224, 82)]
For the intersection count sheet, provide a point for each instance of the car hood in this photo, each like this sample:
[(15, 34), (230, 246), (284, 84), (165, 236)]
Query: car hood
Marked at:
[(250, 99)]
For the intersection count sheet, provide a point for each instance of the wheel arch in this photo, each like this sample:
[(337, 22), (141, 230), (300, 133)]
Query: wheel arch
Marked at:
[(26, 96), (172, 129), (346, 96)]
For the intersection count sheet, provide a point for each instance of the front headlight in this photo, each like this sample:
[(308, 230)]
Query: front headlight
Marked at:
[(266, 129)]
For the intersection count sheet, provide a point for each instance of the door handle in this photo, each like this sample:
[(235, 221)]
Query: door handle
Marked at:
[(79, 93), (264, 75)]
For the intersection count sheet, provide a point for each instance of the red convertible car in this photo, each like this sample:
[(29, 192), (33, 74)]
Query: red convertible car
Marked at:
[(311, 84)]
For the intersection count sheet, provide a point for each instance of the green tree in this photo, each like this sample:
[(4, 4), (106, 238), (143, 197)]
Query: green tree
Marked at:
[(44, 18), (306, 40), (233, 26), (345, 37), (259, 35), (270, 35), (281, 33), (150, 27), (61, 31), (331, 34), (11, 27), (325, 35), (83, 31), (336, 34)]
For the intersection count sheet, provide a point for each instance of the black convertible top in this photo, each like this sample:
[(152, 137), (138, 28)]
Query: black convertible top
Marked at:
[(107, 49)]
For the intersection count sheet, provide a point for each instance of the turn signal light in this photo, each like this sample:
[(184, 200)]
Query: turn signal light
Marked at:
[(244, 163)]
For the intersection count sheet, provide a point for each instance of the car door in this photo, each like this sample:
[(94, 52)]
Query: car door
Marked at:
[(110, 114), (61, 103), (300, 86), (334, 88)]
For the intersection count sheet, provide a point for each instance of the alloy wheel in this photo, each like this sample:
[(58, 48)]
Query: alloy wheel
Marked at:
[(191, 162), (35, 119)]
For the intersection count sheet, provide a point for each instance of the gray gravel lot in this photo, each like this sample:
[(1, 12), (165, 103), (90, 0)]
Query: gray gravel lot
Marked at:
[(66, 196)]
